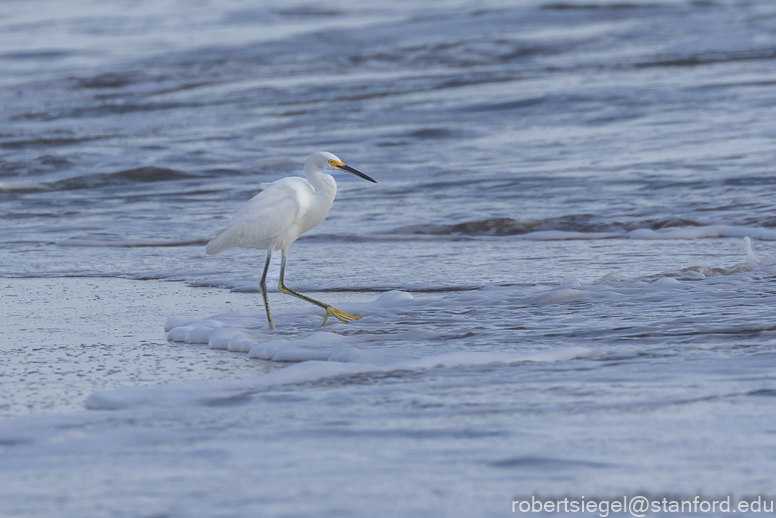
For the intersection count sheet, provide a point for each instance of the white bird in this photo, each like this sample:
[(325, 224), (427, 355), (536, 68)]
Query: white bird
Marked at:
[(279, 214)]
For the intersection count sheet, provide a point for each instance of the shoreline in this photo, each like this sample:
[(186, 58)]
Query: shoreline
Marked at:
[(65, 338)]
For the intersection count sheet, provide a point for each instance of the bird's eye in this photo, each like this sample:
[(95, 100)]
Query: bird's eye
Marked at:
[(332, 162)]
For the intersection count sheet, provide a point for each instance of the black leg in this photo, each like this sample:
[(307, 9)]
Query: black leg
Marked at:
[(263, 288), (341, 315)]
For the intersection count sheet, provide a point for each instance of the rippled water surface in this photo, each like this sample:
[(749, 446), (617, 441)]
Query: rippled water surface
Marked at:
[(559, 290)]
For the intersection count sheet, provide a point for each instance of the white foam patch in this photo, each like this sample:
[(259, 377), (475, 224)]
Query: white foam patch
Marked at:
[(212, 391), (376, 344), (321, 345), (233, 339), (248, 331), (314, 353)]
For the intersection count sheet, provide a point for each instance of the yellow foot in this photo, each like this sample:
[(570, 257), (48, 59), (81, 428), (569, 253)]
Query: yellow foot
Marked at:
[(340, 315)]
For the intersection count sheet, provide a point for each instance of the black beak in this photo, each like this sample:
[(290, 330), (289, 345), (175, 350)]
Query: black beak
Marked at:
[(350, 170)]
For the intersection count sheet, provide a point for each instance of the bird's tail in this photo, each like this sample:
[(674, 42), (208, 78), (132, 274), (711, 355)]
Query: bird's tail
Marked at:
[(218, 244)]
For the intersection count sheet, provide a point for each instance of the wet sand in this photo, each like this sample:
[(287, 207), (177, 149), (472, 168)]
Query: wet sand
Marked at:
[(65, 338)]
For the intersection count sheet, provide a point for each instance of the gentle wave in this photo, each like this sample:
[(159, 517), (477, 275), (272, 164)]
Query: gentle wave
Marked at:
[(214, 392), (584, 226), (148, 174)]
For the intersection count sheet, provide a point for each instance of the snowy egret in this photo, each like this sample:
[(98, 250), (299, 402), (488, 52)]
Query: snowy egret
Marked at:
[(279, 214)]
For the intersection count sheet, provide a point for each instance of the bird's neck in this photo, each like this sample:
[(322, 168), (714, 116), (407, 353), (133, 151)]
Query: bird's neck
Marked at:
[(323, 183)]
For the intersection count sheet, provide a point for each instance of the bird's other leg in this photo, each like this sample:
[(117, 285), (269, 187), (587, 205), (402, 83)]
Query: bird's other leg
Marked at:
[(263, 288), (330, 310)]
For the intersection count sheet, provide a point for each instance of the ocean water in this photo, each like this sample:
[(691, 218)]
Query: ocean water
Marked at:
[(566, 271)]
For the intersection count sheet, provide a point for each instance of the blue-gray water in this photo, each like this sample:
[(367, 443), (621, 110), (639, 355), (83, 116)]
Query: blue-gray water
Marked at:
[(563, 187)]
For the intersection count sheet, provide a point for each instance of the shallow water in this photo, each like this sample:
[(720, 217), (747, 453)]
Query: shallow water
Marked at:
[(557, 295)]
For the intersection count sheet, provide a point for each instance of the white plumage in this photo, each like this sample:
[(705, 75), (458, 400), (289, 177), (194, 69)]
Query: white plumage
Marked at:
[(278, 215), (275, 217)]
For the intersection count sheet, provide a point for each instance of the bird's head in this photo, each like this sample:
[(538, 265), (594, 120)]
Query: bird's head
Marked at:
[(323, 160)]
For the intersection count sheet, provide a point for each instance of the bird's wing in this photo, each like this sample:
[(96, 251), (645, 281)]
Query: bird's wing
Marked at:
[(264, 217)]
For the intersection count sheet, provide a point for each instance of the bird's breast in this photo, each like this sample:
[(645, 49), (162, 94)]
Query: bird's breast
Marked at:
[(318, 206)]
